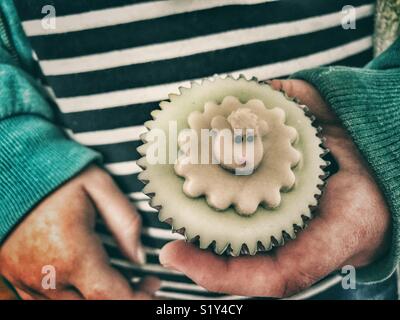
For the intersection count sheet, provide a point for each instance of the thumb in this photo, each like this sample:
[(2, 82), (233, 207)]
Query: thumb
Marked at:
[(308, 95), (117, 212)]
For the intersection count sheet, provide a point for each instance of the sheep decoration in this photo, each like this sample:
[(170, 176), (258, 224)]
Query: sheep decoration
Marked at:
[(238, 142)]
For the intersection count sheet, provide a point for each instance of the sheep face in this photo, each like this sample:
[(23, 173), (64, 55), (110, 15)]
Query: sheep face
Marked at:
[(238, 142)]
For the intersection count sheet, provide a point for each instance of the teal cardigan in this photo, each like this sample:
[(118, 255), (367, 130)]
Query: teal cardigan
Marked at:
[(36, 157)]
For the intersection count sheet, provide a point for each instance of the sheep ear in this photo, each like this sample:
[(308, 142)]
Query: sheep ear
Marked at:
[(219, 123), (263, 128)]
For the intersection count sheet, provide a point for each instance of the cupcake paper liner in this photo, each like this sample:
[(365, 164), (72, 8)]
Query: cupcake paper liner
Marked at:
[(165, 198)]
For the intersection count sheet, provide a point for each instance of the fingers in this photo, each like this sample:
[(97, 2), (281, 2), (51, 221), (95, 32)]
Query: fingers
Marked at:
[(308, 95), (326, 244), (95, 279), (105, 283), (251, 276), (89, 277), (337, 138), (119, 215), (269, 276), (149, 285), (357, 220)]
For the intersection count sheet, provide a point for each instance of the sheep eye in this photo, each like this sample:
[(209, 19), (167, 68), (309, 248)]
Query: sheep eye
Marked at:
[(250, 138), (238, 139)]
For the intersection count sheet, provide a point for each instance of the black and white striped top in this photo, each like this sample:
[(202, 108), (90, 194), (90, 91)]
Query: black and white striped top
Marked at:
[(109, 63)]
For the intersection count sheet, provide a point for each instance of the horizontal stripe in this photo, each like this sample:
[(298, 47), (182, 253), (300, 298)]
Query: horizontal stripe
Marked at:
[(196, 45), (180, 296), (129, 273), (161, 234), (321, 286), (124, 116), (147, 267), (209, 295), (118, 152), (205, 64), (138, 196), (103, 119), (123, 168), (181, 286), (149, 220), (109, 136), (125, 14), (129, 183), (31, 9), (152, 226), (160, 92), (108, 240), (143, 205), (204, 293), (183, 26)]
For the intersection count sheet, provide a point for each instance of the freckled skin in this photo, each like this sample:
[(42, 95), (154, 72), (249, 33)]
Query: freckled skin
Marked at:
[(352, 226), (60, 232)]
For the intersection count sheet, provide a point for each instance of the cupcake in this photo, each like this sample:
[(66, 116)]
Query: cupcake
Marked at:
[(233, 165)]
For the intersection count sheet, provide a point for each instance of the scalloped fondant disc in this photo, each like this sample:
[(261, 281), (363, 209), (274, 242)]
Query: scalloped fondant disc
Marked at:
[(227, 229)]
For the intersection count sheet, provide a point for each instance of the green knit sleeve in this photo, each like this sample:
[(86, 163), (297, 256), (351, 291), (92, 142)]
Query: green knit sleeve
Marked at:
[(35, 155), (368, 103)]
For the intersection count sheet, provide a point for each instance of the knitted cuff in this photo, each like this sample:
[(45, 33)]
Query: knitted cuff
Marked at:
[(35, 159)]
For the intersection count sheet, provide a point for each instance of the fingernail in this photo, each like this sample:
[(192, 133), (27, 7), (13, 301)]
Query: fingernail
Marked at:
[(269, 81), (141, 255), (164, 262), (169, 267)]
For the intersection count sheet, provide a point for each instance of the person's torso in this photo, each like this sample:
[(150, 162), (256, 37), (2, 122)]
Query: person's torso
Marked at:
[(109, 63)]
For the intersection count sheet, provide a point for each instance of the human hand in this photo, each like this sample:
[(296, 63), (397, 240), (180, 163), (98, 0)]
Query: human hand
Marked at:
[(351, 226), (60, 232)]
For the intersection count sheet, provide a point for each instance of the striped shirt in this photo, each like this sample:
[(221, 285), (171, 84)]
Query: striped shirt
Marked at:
[(109, 63)]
